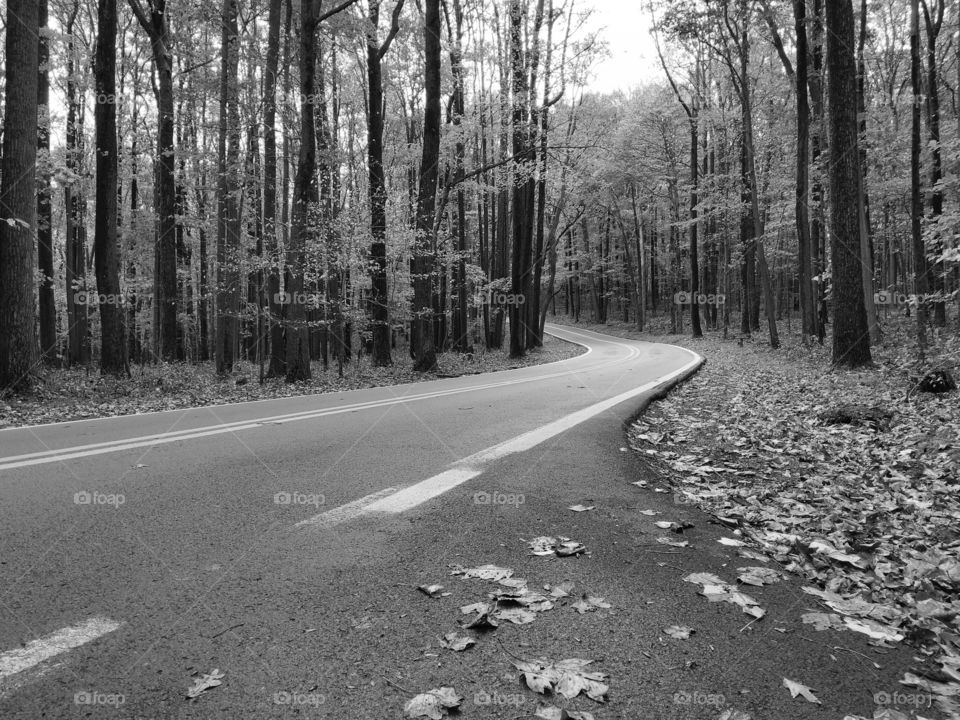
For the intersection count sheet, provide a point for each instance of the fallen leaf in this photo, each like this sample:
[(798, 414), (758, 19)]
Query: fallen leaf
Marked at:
[(731, 542), (581, 508), (566, 677), (680, 632), (673, 543), (800, 689), (560, 591), (822, 621), (589, 603), (484, 572), (433, 704), (457, 643), (758, 576), (210, 680), (551, 712), (434, 591), (517, 616)]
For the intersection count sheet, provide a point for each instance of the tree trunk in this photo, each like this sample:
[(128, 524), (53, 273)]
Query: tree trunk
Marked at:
[(921, 282), (697, 330), (808, 311), (522, 211), (106, 250), (48, 305), (18, 204), (228, 236), (461, 337), (851, 332), (938, 280), (377, 189), (75, 267), (304, 203), (422, 263), (157, 27), (271, 245)]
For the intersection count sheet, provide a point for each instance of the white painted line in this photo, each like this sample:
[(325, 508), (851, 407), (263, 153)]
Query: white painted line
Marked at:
[(36, 651), (472, 465), (70, 453), (418, 494), (344, 512)]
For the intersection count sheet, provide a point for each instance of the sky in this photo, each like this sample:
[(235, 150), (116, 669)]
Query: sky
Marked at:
[(633, 55)]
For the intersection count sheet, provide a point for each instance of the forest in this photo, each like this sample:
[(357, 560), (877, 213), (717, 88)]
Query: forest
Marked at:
[(292, 183)]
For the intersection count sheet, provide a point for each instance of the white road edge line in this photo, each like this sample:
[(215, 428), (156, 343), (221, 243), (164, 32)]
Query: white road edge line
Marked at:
[(344, 512), (36, 651), (472, 465)]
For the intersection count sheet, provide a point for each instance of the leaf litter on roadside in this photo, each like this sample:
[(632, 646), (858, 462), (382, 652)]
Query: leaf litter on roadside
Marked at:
[(866, 512)]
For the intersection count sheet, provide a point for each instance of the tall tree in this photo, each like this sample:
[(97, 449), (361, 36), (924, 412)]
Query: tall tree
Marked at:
[(48, 306), (18, 203), (422, 264), (113, 341), (851, 332), (921, 286), (522, 212), (808, 310), (297, 335), (154, 19), (277, 357), (75, 265), (933, 22), (228, 214), (377, 186)]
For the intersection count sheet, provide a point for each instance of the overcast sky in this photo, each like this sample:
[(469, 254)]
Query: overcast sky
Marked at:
[(633, 55)]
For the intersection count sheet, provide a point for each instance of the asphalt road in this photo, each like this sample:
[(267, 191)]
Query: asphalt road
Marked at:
[(282, 542)]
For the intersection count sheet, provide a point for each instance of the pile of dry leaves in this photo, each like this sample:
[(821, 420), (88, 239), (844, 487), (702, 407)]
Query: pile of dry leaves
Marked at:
[(850, 479)]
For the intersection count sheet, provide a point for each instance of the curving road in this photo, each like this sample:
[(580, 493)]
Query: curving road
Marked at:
[(281, 542)]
